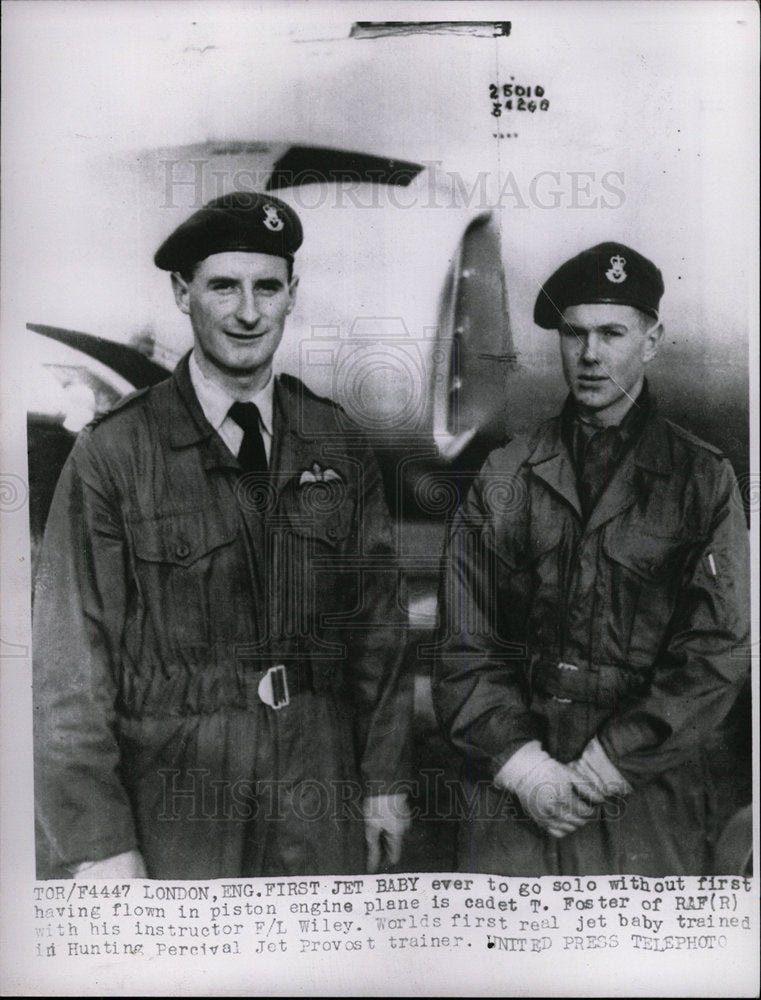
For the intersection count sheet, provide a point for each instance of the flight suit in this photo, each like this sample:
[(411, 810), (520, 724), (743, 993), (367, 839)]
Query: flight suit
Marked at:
[(176, 599), (631, 625)]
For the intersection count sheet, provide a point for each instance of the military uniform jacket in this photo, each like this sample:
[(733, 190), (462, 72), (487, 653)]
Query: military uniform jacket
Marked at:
[(169, 580), (632, 627)]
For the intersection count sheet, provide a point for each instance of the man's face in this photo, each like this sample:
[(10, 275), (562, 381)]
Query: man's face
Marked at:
[(237, 303), (605, 349)]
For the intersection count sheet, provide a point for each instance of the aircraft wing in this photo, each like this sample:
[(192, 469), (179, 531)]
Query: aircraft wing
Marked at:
[(126, 361)]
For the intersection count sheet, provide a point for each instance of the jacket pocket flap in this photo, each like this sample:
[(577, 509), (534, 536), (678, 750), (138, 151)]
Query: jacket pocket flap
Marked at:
[(522, 547), (181, 538), (323, 511), (651, 557)]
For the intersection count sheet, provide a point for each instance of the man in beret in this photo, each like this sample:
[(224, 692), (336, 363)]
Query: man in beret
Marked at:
[(219, 647), (595, 608)]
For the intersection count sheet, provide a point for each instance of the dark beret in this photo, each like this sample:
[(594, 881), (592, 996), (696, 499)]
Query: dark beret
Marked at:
[(241, 220), (609, 272)]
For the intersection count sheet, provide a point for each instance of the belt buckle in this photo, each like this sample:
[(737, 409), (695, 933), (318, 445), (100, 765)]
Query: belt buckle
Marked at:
[(565, 666), (273, 688)]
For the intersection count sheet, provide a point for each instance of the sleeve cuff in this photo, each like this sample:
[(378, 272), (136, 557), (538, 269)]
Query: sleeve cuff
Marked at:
[(128, 864), (516, 768), (610, 778), (396, 802)]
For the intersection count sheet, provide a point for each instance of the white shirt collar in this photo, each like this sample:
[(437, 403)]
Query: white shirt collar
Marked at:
[(216, 401)]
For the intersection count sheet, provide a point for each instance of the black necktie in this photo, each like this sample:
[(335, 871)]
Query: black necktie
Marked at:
[(600, 460), (252, 455)]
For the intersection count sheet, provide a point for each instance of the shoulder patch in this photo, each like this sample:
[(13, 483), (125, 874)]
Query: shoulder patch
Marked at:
[(125, 401), (680, 432)]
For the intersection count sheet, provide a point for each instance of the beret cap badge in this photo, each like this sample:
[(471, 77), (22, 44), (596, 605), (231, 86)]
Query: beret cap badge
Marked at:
[(616, 273), (610, 273), (272, 219), (246, 221)]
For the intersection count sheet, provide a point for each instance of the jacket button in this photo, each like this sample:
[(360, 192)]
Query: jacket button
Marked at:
[(332, 532), (182, 551)]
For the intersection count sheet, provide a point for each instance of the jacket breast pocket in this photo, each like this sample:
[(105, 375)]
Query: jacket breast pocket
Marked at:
[(185, 566), (320, 514), (655, 559), (311, 547), (528, 574), (645, 572)]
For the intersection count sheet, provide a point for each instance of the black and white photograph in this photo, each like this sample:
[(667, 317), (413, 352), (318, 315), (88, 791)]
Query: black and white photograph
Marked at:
[(380, 498)]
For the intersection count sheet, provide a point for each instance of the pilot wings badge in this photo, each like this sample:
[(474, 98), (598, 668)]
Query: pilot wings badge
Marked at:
[(272, 219), (318, 475), (616, 273)]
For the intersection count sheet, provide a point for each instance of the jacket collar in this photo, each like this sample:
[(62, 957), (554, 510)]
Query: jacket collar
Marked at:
[(186, 421), (301, 413), (295, 410), (551, 462), (653, 450), (216, 401), (299, 419), (303, 427)]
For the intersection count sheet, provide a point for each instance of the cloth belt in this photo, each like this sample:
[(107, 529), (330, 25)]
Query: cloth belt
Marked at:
[(601, 685)]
